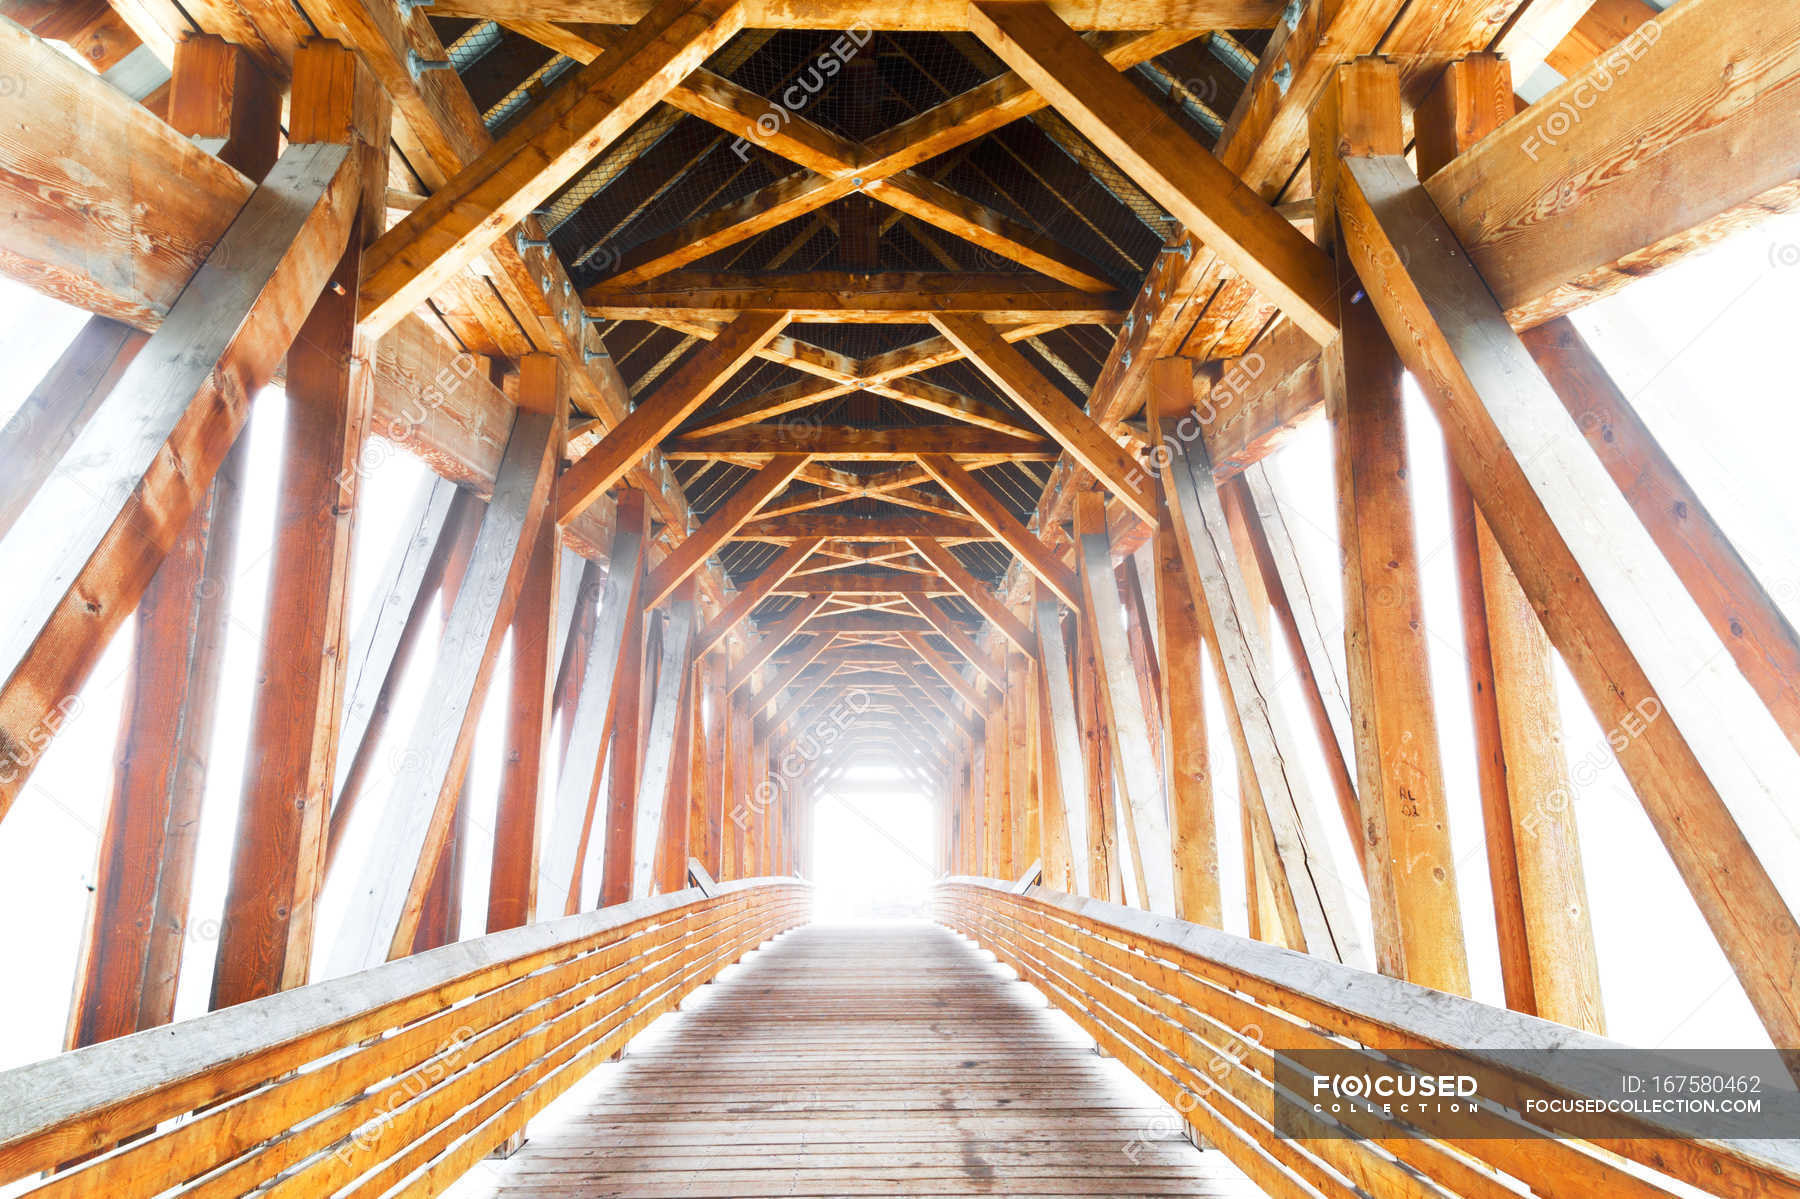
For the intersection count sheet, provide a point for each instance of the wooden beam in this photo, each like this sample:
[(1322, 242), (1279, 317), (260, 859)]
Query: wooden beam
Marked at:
[(672, 678), (266, 933), (1316, 661), (626, 732), (946, 16), (37, 436), (754, 592), (992, 670), (159, 438), (850, 444), (765, 646), (1548, 959), (1103, 619), (122, 235), (1062, 808), (720, 526), (979, 595), (1410, 862), (1738, 606), (1004, 525), (384, 906), (1619, 216), (527, 767), (848, 527), (605, 682), (894, 298), (970, 692), (956, 122), (1059, 416), (1705, 757), (681, 392), (129, 966), (539, 153), (852, 583), (1131, 130), (790, 670), (1186, 755), (1270, 749)]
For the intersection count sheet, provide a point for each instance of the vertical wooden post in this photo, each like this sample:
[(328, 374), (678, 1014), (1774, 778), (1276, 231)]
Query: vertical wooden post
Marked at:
[(1194, 838), (1411, 867), (130, 959), (1548, 960), (265, 940), (1064, 806), (1021, 690), (608, 677), (512, 879), (624, 762), (1104, 869), (1121, 706), (673, 838), (1000, 793)]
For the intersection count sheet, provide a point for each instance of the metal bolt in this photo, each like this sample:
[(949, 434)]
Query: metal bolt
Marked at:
[(591, 355), (1290, 16), (530, 243), (418, 64), (1283, 78), (406, 7)]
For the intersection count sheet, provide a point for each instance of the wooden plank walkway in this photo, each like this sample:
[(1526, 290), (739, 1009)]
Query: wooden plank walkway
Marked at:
[(880, 1060)]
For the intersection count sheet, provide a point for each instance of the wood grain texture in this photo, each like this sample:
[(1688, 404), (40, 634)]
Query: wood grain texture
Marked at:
[(1710, 764), (384, 905), (158, 440)]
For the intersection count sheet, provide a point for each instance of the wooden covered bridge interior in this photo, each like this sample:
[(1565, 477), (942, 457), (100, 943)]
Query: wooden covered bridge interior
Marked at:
[(806, 384)]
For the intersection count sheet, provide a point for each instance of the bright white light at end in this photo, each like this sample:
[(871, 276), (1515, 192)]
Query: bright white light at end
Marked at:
[(874, 835)]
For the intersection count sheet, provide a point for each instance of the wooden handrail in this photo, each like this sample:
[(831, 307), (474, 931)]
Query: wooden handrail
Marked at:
[(411, 1071), (1203, 1016)]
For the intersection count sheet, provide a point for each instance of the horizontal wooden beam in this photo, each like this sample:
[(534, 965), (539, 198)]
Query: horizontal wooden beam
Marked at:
[(1644, 153), (844, 526), (898, 297), (942, 15), (841, 443), (843, 582)]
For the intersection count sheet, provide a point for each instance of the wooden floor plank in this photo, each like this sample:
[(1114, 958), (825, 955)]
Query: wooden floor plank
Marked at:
[(874, 1060)]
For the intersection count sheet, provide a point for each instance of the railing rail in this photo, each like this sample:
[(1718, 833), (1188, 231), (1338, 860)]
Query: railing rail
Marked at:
[(394, 1080), (1204, 1017)]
